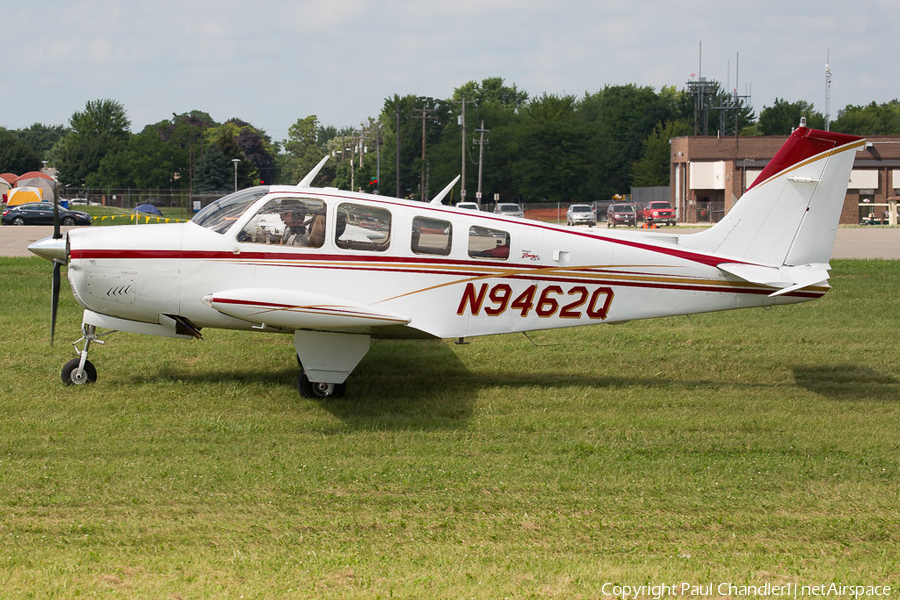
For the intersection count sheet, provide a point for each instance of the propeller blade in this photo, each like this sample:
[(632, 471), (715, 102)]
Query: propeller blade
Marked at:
[(56, 234), (54, 297)]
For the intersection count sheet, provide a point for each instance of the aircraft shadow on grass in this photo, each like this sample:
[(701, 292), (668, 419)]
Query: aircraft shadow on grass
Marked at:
[(427, 386), (848, 382)]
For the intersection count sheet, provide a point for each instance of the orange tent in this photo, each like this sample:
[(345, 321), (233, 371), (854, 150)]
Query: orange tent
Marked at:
[(38, 180), (24, 195)]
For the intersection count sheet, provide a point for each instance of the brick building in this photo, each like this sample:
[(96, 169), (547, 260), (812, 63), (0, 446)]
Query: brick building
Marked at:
[(709, 174)]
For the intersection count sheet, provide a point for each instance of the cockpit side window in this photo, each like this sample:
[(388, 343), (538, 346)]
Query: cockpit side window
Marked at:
[(287, 222), (361, 227), (431, 236), (485, 242)]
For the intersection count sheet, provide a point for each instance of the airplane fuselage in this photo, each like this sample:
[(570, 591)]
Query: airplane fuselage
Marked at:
[(434, 271)]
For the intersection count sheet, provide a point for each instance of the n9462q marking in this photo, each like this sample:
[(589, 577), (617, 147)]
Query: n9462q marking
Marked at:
[(546, 301)]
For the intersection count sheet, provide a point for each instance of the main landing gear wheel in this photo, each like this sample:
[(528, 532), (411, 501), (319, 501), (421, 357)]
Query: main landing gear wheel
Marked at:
[(73, 374), (314, 389)]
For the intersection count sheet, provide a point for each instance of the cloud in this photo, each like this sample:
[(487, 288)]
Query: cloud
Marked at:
[(275, 61)]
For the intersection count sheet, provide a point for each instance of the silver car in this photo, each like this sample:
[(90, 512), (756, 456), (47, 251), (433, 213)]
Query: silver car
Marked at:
[(579, 214), (508, 209)]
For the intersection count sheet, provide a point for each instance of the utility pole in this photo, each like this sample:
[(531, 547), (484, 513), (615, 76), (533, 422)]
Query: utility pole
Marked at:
[(482, 131), (462, 122), (397, 129), (377, 156), (352, 163), (424, 118)]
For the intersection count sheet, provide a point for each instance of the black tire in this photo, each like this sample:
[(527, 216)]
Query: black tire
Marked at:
[(18, 221), (311, 389), (71, 376), (68, 221)]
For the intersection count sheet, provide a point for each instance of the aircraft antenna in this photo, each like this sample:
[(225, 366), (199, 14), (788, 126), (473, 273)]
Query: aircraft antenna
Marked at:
[(440, 197), (307, 181)]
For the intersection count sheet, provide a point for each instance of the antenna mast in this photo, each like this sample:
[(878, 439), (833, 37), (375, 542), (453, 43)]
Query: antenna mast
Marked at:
[(827, 92)]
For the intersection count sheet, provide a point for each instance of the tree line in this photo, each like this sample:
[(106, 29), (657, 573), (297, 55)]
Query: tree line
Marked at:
[(557, 148)]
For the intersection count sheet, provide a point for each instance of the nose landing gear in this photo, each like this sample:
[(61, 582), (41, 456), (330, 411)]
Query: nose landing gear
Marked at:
[(79, 371)]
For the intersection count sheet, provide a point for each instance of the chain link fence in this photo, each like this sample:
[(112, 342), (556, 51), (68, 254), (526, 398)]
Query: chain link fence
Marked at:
[(182, 201)]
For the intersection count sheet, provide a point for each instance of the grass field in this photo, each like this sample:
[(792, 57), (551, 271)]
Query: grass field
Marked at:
[(113, 215), (748, 447)]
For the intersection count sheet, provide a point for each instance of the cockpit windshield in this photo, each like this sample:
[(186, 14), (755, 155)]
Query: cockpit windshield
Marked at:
[(221, 214)]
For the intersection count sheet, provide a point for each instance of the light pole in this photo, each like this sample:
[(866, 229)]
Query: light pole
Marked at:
[(235, 161)]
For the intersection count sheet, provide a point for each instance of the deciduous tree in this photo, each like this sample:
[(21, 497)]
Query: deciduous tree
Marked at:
[(102, 127)]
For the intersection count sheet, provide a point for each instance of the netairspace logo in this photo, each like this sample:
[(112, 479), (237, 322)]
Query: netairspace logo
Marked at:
[(790, 590)]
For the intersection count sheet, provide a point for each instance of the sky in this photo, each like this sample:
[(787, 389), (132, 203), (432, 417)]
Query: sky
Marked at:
[(272, 62)]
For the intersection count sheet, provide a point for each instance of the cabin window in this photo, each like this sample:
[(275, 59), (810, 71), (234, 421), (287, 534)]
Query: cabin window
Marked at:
[(287, 222), (431, 236), (361, 227), (488, 243)]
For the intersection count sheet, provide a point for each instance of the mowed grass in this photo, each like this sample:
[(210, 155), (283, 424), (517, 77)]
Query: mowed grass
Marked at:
[(751, 447)]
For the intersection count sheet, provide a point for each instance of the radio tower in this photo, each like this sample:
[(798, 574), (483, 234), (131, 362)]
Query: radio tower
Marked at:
[(827, 92)]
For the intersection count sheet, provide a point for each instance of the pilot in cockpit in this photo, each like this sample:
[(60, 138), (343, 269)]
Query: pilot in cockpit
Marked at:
[(296, 227)]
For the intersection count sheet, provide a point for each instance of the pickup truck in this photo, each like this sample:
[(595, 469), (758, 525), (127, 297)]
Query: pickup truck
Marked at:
[(660, 213)]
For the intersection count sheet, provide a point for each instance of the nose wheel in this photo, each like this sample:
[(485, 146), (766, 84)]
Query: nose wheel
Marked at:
[(79, 371), (76, 373)]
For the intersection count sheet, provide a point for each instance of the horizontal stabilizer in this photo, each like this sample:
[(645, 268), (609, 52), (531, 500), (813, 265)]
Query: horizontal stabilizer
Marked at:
[(294, 310), (787, 279)]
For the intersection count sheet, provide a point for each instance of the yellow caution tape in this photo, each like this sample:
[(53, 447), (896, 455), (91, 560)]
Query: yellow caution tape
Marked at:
[(139, 219)]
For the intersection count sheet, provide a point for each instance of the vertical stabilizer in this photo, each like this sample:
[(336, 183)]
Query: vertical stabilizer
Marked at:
[(789, 215)]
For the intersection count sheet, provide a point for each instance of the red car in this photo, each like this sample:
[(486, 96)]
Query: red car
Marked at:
[(621, 214), (660, 213)]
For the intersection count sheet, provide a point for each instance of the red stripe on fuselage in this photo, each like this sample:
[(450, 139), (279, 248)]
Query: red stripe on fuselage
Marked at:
[(430, 266)]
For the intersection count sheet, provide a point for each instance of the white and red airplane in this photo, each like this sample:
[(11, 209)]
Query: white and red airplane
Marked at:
[(335, 268)]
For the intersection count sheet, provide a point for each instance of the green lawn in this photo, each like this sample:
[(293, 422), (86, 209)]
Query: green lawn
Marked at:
[(113, 215), (748, 447)]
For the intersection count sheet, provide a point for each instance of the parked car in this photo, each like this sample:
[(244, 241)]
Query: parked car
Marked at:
[(468, 205), (508, 209), (41, 213), (659, 212), (621, 214), (581, 213)]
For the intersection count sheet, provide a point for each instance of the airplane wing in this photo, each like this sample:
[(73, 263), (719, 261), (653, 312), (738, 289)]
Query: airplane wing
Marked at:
[(354, 233), (294, 310)]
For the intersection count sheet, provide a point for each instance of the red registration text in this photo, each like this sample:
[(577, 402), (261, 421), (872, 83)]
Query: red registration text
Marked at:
[(546, 302)]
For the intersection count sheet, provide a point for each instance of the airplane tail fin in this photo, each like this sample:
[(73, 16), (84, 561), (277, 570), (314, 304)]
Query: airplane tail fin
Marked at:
[(787, 219)]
